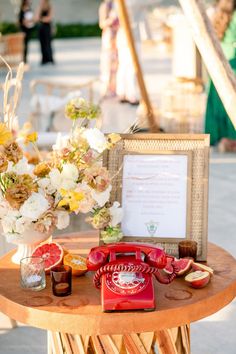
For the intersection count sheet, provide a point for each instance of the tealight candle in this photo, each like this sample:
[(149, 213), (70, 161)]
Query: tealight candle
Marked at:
[(61, 280), (188, 249), (32, 273)]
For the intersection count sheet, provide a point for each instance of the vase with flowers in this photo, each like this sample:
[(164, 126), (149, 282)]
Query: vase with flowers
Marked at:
[(36, 199)]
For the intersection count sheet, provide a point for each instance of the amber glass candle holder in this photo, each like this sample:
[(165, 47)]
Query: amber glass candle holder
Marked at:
[(188, 249), (61, 280)]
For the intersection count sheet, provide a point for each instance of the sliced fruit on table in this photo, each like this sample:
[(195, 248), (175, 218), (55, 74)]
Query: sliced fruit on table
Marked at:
[(183, 265), (202, 267), (51, 252), (198, 279), (77, 263)]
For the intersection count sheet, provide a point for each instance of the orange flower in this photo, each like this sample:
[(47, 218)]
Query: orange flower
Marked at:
[(17, 195), (42, 169), (3, 163), (13, 152)]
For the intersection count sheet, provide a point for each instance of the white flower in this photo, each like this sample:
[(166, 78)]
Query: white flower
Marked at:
[(66, 179), (34, 206), (14, 223), (55, 178), (4, 208), (70, 171), (63, 219), (103, 197), (116, 214), (21, 167), (87, 203), (46, 185), (61, 142), (96, 139)]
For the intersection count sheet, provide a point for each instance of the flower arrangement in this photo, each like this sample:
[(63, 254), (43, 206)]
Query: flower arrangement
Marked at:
[(71, 179)]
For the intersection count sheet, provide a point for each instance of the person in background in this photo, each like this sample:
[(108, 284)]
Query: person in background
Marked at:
[(26, 21), (217, 122), (109, 23), (44, 18)]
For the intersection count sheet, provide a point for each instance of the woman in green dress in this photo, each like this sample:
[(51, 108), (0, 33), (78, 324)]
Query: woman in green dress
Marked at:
[(217, 122)]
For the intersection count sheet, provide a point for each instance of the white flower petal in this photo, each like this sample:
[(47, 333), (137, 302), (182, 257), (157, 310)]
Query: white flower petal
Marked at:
[(34, 206), (96, 139), (70, 171), (63, 219), (116, 214), (21, 167), (101, 198)]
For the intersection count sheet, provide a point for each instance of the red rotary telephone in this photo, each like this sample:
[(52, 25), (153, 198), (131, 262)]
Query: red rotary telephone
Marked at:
[(124, 273)]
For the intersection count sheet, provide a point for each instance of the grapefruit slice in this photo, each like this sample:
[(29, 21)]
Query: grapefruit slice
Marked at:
[(51, 252), (183, 265), (77, 263)]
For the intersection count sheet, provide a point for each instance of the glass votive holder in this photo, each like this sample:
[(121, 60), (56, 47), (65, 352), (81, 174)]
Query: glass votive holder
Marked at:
[(61, 277), (188, 249), (32, 273)]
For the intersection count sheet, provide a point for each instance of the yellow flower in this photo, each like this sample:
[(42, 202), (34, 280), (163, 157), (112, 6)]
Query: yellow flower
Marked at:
[(71, 199), (5, 134), (113, 138), (31, 138), (42, 169)]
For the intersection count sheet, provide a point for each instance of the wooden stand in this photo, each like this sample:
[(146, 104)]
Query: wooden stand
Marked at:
[(169, 341)]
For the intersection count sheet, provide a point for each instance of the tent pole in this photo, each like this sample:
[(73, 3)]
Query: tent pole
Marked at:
[(125, 23)]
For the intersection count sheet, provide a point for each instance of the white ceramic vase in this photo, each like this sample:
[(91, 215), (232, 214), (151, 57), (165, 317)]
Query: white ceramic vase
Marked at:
[(26, 243)]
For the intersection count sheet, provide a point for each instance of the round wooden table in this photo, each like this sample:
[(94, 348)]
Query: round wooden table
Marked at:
[(77, 324)]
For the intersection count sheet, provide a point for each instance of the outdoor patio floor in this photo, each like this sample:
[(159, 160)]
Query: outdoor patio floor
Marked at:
[(79, 60)]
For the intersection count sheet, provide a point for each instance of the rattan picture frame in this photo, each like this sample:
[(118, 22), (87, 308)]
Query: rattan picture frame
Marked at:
[(196, 147)]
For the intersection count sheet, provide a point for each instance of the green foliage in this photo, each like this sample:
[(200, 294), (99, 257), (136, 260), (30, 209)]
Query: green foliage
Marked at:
[(77, 30), (6, 28), (61, 30)]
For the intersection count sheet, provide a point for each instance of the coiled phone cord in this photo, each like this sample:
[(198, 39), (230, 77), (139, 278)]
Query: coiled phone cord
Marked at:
[(142, 268)]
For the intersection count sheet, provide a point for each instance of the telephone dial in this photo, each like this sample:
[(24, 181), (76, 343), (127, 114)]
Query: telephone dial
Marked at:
[(124, 272)]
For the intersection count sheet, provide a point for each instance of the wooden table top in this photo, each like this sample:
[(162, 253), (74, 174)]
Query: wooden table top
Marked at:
[(176, 304)]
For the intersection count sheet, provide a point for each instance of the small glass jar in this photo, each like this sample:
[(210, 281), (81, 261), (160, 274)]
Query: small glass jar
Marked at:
[(61, 278), (32, 273)]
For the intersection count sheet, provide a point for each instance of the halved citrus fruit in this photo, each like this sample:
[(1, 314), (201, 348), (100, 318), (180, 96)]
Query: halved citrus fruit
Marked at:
[(77, 263), (51, 252)]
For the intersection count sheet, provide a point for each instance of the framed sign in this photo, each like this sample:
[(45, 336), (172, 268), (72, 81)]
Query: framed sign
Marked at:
[(161, 181)]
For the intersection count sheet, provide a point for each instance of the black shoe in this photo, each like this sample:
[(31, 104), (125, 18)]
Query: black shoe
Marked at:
[(123, 100), (134, 103)]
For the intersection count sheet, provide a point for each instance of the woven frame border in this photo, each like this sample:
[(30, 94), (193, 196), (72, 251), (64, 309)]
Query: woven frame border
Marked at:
[(198, 145)]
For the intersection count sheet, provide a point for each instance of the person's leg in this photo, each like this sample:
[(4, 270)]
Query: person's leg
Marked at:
[(25, 49), (48, 45), (42, 43), (121, 70), (131, 86)]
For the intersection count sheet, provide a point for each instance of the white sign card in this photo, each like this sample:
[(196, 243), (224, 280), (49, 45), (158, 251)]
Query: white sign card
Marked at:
[(154, 195)]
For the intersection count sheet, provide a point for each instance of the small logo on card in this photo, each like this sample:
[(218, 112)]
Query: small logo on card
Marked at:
[(151, 227)]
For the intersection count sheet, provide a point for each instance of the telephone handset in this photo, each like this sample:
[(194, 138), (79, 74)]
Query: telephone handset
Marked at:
[(124, 272)]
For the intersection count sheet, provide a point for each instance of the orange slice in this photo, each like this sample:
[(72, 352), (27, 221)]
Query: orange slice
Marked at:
[(77, 263)]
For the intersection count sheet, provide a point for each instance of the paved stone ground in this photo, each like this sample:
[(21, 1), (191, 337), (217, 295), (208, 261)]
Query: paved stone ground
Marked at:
[(79, 60)]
